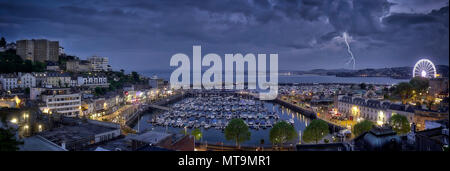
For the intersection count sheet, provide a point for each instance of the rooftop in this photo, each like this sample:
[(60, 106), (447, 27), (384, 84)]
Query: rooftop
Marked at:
[(37, 143), (152, 148), (120, 144), (151, 137), (75, 131)]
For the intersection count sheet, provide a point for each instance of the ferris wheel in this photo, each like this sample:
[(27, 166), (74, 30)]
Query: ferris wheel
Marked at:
[(424, 68)]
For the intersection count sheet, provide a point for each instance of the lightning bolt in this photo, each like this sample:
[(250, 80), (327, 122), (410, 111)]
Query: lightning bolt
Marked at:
[(349, 50)]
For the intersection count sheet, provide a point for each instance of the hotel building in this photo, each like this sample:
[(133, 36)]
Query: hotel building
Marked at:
[(61, 101), (374, 110)]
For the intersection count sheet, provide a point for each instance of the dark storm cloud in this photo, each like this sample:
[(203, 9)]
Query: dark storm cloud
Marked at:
[(143, 34)]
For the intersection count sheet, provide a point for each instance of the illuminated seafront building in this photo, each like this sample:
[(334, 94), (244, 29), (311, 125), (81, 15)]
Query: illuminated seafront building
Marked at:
[(373, 110), (61, 101)]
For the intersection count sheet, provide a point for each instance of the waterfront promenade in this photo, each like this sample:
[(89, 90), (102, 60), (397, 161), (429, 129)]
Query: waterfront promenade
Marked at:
[(221, 147), (128, 114), (313, 114)]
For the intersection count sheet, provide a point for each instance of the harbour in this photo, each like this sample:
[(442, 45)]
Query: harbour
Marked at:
[(210, 111)]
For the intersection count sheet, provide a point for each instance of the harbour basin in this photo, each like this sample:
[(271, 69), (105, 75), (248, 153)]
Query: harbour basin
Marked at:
[(211, 113)]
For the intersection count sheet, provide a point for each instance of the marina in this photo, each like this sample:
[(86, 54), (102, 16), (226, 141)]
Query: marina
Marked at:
[(211, 112)]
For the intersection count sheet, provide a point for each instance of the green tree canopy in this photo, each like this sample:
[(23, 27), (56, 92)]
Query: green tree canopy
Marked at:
[(315, 131), (282, 132), (238, 131), (197, 133), (135, 76), (98, 91), (420, 84), (8, 140), (404, 91), (3, 42), (400, 124), (362, 127), (10, 63), (363, 86)]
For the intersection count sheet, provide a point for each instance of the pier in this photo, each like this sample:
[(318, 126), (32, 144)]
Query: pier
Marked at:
[(159, 107)]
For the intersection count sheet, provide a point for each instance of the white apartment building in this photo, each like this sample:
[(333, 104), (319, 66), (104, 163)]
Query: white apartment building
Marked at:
[(94, 80), (374, 110), (56, 79), (9, 81), (27, 80), (62, 101), (41, 78), (99, 63)]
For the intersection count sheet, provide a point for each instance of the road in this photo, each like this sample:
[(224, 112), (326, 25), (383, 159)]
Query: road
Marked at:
[(323, 114), (119, 112)]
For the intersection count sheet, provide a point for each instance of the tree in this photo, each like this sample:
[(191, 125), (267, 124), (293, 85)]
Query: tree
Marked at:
[(197, 133), (429, 101), (3, 42), (362, 127), (400, 124), (238, 131), (10, 63), (38, 66), (420, 84), (404, 90), (315, 131), (281, 133), (135, 76), (363, 86), (27, 91), (8, 140), (99, 91)]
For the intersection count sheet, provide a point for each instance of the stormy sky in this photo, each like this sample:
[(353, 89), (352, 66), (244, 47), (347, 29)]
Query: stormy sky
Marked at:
[(307, 34)]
